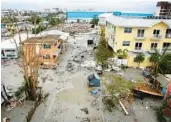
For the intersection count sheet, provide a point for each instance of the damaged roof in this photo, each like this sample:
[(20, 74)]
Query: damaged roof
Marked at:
[(45, 39)]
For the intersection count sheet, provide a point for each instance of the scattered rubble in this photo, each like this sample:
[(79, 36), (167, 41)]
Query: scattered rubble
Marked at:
[(85, 110), (76, 28), (85, 119)]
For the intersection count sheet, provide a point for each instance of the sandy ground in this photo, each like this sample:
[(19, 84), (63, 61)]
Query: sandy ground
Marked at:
[(11, 74), (68, 90), (69, 93), (18, 114)]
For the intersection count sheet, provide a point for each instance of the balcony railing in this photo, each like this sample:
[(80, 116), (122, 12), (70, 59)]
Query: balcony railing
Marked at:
[(138, 49), (140, 36), (168, 49), (156, 37), (168, 35)]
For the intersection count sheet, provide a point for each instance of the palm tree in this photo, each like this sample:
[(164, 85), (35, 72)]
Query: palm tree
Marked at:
[(95, 20), (122, 54), (140, 57), (161, 63)]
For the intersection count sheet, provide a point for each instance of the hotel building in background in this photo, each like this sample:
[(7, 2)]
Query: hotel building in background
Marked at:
[(163, 9)]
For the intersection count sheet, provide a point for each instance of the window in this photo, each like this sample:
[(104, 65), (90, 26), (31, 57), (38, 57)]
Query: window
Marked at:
[(140, 33), (128, 30), (54, 56), (126, 43), (156, 32), (46, 56), (165, 45), (153, 46), (138, 46), (168, 33), (9, 50), (47, 46), (10, 55)]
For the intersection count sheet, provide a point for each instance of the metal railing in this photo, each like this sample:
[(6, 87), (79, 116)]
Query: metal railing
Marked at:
[(140, 36), (157, 36), (138, 48)]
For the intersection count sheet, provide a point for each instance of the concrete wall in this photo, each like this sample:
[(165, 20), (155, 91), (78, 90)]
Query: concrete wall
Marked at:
[(157, 13)]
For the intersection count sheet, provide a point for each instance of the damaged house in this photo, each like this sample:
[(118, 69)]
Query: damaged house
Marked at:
[(47, 48)]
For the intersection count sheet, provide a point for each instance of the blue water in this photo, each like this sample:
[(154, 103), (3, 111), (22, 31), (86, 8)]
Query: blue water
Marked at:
[(71, 15), (132, 14)]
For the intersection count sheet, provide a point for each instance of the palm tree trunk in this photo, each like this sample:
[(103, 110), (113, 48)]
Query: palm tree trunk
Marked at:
[(138, 64)]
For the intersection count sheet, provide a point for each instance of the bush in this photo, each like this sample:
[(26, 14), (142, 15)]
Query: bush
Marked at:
[(110, 103), (159, 113), (20, 91)]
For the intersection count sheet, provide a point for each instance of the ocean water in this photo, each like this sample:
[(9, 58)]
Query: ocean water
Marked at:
[(71, 15), (89, 15)]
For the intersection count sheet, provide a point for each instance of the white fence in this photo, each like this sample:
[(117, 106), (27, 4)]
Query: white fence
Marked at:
[(119, 62)]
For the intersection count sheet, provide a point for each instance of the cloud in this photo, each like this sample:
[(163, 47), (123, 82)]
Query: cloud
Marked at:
[(131, 5)]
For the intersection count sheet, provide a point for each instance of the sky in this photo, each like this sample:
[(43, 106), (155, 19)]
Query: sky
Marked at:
[(100, 5)]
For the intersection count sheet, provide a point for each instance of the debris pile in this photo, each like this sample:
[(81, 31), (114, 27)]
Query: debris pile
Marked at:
[(85, 110), (70, 67), (76, 28)]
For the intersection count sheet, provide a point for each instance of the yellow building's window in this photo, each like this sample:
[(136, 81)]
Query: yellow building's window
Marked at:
[(128, 30), (126, 43)]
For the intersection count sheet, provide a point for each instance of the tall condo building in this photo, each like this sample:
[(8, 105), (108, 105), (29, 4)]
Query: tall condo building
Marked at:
[(163, 9)]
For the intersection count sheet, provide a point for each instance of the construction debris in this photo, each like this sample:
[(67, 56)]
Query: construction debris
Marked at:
[(85, 110), (76, 28), (85, 119)]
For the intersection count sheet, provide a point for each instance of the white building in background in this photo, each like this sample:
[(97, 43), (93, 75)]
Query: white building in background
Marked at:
[(8, 46), (47, 10), (55, 10), (163, 9), (102, 21), (103, 17), (6, 12)]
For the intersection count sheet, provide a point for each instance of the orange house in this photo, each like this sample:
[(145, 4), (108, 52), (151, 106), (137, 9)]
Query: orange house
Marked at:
[(47, 48)]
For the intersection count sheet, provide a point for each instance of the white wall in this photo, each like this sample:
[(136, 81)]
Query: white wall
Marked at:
[(157, 11), (13, 54)]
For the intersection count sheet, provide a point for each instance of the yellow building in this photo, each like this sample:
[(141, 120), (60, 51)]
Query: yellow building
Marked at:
[(138, 35)]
